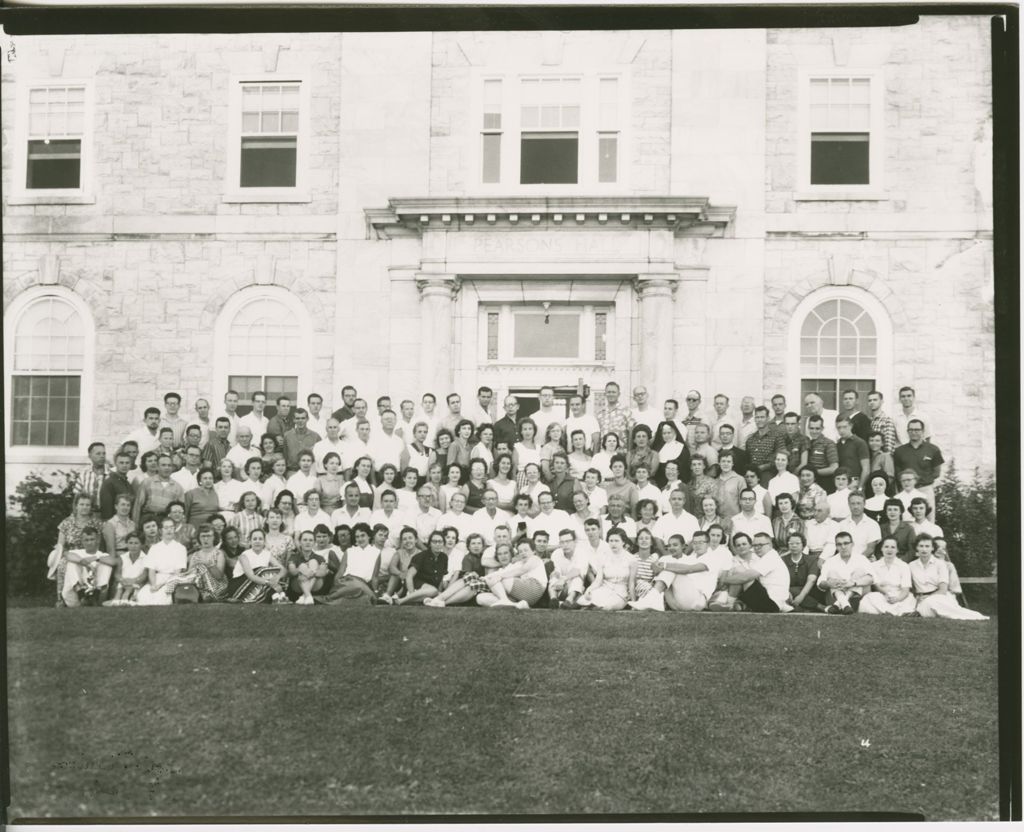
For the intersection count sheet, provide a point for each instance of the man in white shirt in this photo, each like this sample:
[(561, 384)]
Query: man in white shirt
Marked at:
[(643, 413), (456, 516), (355, 447), (186, 475), (821, 531), (721, 417), (571, 568), (202, 408), (550, 519), (487, 518), (759, 583), (316, 421), (747, 425), (579, 419), (480, 412), (908, 402), (407, 420), (230, 413), (686, 582), (846, 576), (862, 529), (677, 520), (616, 517), (350, 426), (386, 446), (389, 514), (593, 544), (243, 451), (814, 405), (254, 419), (350, 512), (147, 437), (171, 418), (428, 414), (546, 414), (749, 521), (331, 443), (424, 518)]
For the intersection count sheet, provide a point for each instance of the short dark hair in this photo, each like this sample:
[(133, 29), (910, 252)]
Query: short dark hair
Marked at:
[(738, 535), (150, 411), (96, 445), (169, 396), (761, 409)]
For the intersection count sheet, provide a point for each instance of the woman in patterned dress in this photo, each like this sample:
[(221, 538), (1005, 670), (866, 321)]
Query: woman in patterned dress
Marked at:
[(206, 567), (610, 587), (116, 530), (279, 544), (69, 536), (258, 575), (786, 522), (331, 482), (248, 517), (552, 445), (285, 504), (641, 575)]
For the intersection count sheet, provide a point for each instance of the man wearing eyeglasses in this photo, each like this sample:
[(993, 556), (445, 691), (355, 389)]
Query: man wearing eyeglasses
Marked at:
[(922, 457), (693, 417)]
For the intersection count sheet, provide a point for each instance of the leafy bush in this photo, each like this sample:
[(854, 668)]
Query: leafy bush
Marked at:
[(36, 508), (966, 511)]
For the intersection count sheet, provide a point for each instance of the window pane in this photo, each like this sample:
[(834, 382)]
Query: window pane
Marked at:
[(492, 157), (270, 122), (839, 159), (250, 122), (608, 159), (601, 336), (558, 338), (290, 121), (549, 116), (825, 388), (54, 164), (570, 116), (492, 100), (549, 158), (492, 336), (268, 163), (45, 410), (530, 117)]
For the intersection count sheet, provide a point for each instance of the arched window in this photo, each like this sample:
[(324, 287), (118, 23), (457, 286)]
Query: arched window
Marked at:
[(840, 345), (49, 364), (264, 342)]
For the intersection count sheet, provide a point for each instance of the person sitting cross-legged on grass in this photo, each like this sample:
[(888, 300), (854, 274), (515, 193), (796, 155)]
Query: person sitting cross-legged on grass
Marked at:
[(468, 583), (891, 583), (571, 570), (758, 580), (425, 577), (88, 572), (356, 576), (520, 584), (165, 561), (308, 572), (930, 576), (610, 589), (846, 575), (803, 575), (685, 581), (258, 575), (398, 569)]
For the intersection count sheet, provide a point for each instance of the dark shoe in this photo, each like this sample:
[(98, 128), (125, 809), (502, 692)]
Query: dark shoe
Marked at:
[(848, 610), (833, 610)]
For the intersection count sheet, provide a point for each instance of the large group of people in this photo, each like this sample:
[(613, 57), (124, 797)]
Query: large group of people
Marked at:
[(763, 509)]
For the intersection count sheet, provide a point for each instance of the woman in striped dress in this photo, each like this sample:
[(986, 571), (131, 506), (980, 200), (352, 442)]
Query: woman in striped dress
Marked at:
[(247, 517), (641, 575), (610, 588), (257, 574)]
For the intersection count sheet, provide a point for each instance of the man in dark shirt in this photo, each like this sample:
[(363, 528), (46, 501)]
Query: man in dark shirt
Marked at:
[(853, 453), (426, 572), (282, 421), (506, 429), (860, 424), (762, 445), (821, 454), (217, 446), (115, 483), (348, 397), (922, 457), (794, 442), (298, 439)]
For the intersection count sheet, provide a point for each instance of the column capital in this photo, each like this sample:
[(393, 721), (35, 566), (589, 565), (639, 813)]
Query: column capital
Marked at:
[(657, 284), (430, 283)]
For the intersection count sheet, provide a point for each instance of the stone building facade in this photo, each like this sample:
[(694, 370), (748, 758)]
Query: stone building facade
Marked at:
[(663, 198)]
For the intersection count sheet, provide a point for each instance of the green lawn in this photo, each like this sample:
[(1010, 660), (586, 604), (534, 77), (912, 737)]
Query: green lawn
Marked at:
[(340, 711)]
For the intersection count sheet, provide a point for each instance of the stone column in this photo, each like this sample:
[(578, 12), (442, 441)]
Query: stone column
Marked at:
[(657, 324), (437, 317)]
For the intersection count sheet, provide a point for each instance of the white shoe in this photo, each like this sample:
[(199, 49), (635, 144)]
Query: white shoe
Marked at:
[(387, 599), (784, 607), (653, 601), (522, 605), (305, 600)]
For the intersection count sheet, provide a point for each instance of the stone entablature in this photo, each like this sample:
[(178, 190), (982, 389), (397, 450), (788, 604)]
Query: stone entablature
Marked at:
[(684, 216)]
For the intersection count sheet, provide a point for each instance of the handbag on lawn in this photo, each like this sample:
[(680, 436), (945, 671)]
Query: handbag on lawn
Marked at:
[(185, 594)]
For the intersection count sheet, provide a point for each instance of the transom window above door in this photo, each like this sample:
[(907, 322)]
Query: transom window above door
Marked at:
[(535, 334)]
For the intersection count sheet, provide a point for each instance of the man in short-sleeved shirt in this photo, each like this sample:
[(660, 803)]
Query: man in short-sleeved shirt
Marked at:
[(822, 457), (299, 439), (922, 457), (612, 417)]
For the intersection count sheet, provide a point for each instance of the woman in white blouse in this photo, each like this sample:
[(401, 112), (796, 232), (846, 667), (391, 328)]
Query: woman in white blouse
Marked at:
[(503, 484), (930, 576), (579, 459), (602, 460), (891, 584), (229, 490), (525, 450), (783, 482)]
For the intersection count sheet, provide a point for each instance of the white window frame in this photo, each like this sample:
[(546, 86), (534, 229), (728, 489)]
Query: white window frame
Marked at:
[(222, 368), (51, 453), (876, 188), (84, 194), (512, 130), (883, 333), (506, 333), (233, 192)]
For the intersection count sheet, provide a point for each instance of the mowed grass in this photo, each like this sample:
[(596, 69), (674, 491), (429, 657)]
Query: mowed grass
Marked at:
[(218, 710)]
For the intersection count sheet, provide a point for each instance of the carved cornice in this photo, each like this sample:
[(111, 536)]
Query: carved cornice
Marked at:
[(684, 216)]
